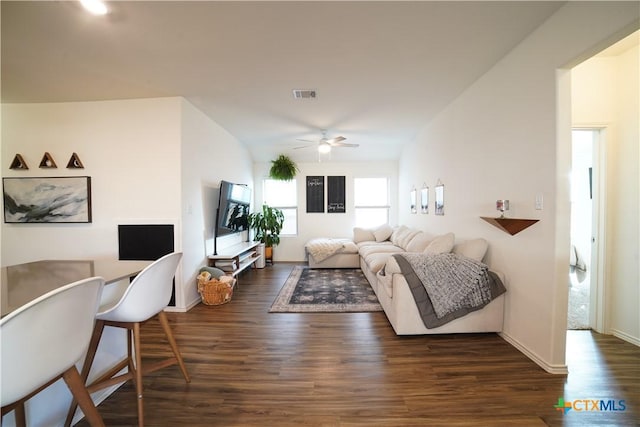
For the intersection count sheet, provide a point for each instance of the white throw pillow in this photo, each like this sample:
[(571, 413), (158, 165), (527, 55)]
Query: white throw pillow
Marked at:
[(383, 232), (363, 235), (397, 233), (406, 238), (441, 244), (419, 242), (474, 249)]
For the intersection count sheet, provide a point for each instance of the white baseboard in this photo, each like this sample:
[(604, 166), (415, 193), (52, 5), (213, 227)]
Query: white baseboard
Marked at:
[(552, 369), (171, 309), (626, 337), (189, 306)]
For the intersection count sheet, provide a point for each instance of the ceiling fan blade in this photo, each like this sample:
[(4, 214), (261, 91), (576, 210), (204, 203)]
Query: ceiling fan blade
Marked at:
[(336, 139), (306, 140), (303, 146), (344, 144)]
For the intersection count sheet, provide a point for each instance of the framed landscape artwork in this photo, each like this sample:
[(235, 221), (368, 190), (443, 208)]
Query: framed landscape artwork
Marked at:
[(47, 200)]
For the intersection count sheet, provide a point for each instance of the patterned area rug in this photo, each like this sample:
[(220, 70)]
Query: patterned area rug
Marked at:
[(337, 290)]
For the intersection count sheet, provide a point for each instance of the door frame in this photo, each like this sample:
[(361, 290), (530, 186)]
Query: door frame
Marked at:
[(598, 320)]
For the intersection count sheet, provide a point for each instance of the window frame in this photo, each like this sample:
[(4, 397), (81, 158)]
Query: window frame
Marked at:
[(284, 208), (386, 206)]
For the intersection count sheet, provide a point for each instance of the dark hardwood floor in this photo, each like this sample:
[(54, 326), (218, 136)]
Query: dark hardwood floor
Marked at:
[(252, 368)]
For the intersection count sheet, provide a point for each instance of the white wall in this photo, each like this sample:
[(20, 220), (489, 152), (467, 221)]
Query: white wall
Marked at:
[(605, 92), (129, 148), (150, 161), (312, 225), (209, 154), (506, 138)]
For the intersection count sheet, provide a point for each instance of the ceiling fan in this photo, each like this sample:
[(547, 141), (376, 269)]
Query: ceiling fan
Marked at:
[(326, 144)]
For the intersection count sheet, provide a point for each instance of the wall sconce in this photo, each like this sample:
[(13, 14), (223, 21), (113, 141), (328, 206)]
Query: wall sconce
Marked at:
[(502, 206)]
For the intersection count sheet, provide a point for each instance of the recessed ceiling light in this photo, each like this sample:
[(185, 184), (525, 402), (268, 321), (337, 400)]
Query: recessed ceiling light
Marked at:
[(96, 7)]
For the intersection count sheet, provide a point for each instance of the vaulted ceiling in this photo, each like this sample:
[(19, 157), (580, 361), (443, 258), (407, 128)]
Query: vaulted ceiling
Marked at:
[(381, 70)]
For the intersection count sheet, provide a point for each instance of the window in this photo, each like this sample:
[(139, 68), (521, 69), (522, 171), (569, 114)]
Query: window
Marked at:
[(283, 195), (371, 199)]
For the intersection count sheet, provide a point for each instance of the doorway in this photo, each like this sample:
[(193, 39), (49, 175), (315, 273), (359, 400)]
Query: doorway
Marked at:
[(583, 257)]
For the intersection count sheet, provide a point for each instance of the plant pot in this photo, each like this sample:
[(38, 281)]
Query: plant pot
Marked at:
[(260, 252), (268, 254), (283, 168)]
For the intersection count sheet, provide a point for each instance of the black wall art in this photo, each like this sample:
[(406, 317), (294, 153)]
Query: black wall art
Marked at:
[(336, 194), (315, 194)]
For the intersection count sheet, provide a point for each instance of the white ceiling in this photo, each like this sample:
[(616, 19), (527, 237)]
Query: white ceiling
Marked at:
[(381, 69)]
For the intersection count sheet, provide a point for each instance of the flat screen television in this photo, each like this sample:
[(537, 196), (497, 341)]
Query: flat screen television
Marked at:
[(233, 208)]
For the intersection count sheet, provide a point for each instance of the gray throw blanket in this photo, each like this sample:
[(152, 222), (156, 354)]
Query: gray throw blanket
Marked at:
[(448, 286)]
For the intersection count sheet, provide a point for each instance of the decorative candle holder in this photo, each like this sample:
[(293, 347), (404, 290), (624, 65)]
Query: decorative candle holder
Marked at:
[(502, 206)]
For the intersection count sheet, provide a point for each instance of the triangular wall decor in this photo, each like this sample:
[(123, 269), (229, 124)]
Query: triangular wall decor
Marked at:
[(18, 163), (47, 162), (74, 162)]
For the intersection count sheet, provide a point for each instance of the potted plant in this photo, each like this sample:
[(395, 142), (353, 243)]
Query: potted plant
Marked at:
[(267, 225), (283, 168)]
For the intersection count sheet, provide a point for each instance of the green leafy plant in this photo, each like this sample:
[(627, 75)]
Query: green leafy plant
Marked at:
[(283, 168), (267, 225)]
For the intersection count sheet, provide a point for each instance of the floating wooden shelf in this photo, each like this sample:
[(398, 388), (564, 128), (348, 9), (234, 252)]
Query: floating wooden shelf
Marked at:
[(18, 163), (74, 162), (47, 162), (510, 225)]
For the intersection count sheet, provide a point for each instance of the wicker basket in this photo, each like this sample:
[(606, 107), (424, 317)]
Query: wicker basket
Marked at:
[(215, 292)]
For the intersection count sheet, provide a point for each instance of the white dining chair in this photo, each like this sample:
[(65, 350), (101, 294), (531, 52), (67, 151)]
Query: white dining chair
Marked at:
[(41, 343), (146, 297)]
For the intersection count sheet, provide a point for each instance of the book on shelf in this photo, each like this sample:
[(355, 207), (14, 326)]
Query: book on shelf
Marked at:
[(226, 265)]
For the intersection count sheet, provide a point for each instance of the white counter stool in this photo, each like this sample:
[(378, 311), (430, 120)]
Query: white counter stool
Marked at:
[(43, 340), (145, 297)]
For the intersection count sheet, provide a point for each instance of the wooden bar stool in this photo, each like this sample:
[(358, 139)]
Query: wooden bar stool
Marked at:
[(41, 343), (145, 297)]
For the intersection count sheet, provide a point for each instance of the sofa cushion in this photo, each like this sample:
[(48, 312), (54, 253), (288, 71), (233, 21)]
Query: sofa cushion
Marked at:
[(374, 243), (441, 244), (376, 261), (383, 232), (379, 248), (403, 235), (405, 239), (419, 242), (398, 231), (363, 235), (473, 248)]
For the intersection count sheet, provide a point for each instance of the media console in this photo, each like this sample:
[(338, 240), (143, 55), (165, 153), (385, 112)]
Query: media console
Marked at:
[(233, 260)]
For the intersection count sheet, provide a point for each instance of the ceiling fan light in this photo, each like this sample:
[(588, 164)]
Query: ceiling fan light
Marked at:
[(324, 147), (96, 7)]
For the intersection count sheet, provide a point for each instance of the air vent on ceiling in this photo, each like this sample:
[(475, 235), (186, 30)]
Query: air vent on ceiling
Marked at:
[(304, 94)]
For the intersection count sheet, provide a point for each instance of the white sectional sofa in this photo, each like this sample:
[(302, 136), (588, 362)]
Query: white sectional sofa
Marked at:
[(375, 249)]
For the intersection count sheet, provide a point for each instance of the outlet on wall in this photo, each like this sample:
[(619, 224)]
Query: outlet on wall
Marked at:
[(539, 202)]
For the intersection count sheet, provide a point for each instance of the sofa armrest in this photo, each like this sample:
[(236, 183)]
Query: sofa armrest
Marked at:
[(391, 267)]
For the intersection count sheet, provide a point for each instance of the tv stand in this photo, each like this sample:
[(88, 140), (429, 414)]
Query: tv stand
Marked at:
[(235, 259)]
